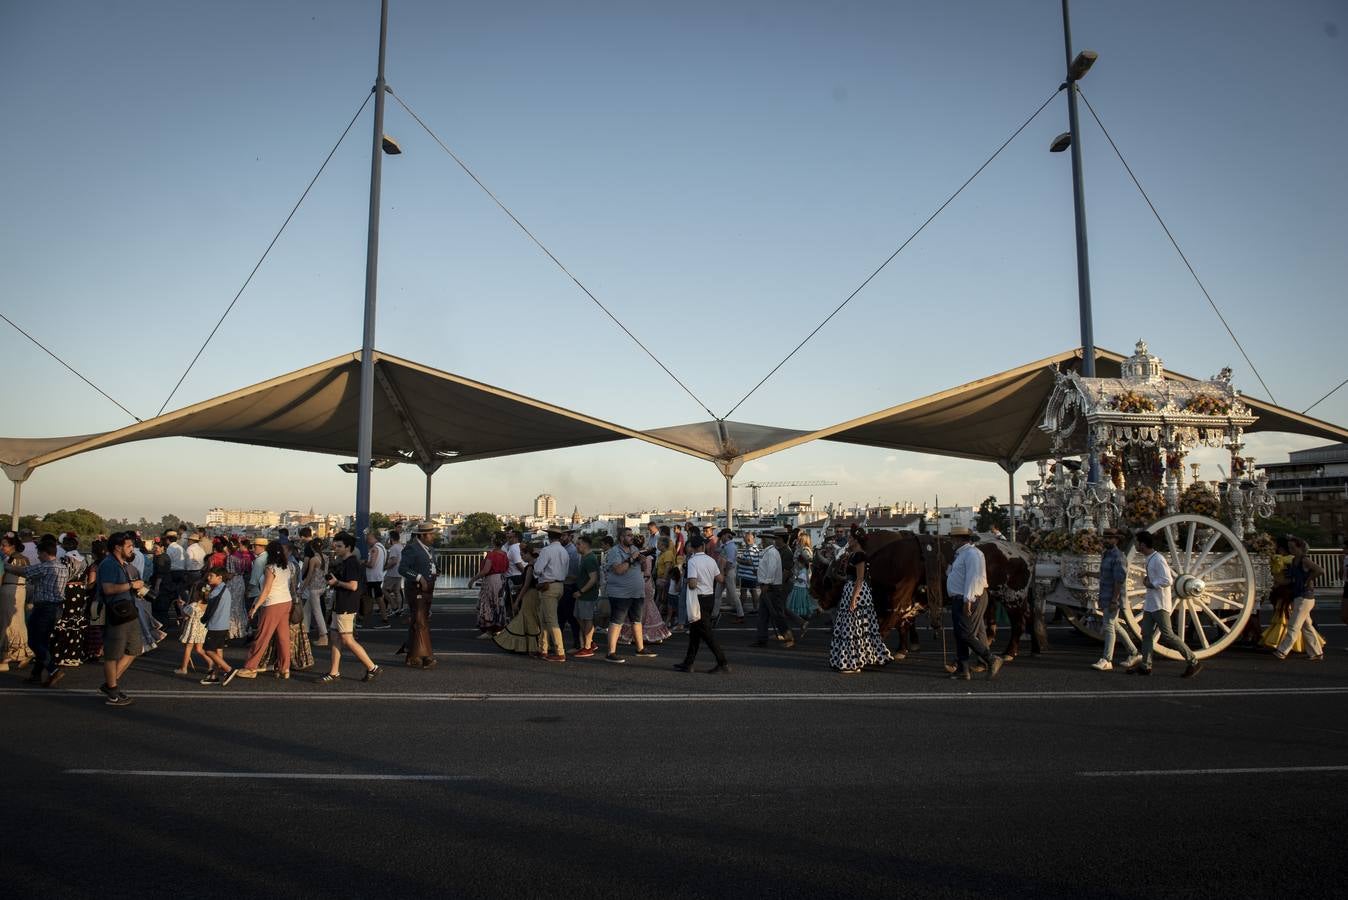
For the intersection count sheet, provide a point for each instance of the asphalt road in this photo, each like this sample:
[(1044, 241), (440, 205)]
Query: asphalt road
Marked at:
[(496, 775)]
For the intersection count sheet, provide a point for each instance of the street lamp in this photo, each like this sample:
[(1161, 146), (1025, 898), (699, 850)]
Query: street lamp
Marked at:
[(1076, 71), (353, 468)]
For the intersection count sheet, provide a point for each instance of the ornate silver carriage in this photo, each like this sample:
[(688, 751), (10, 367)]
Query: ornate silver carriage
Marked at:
[(1140, 428)]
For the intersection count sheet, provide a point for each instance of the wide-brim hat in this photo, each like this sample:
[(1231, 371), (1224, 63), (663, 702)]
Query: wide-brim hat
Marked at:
[(557, 529), (424, 528), (960, 531), (260, 541)]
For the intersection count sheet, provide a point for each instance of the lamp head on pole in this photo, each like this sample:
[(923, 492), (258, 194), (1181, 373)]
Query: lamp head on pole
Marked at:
[(1079, 67), (391, 146), (1061, 142)]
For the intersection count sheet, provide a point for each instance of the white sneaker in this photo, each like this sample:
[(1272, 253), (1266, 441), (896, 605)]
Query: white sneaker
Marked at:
[(1102, 665), (1132, 661)]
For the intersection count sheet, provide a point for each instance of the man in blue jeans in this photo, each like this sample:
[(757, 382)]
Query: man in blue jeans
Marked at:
[(1113, 583), (47, 592)]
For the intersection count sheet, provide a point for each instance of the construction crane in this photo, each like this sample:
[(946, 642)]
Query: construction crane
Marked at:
[(753, 486)]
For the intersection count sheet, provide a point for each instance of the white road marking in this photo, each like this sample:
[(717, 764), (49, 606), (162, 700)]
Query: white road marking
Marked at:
[(279, 776), (1270, 770), (339, 696)]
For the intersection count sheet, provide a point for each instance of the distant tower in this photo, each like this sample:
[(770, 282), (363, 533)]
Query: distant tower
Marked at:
[(575, 515), (545, 506)]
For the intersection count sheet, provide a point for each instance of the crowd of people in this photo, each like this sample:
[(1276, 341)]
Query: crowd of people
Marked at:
[(572, 597)]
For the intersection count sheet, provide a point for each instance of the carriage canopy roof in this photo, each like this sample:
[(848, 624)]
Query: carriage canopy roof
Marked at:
[(997, 418)]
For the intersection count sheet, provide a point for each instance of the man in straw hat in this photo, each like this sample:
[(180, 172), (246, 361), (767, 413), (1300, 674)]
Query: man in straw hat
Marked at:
[(418, 571), (967, 588), (550, 570)]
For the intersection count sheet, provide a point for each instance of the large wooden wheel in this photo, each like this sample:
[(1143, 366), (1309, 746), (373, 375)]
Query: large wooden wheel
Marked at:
[(1214, 583)]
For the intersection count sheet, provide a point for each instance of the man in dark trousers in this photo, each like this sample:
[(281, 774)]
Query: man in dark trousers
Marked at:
[(967, 587), (703, 574)]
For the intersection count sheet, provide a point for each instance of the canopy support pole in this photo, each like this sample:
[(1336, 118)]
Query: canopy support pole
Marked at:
[(365, 423), (729, 503), (430, 469), (1011, 506), (18, 475), (18, 506)]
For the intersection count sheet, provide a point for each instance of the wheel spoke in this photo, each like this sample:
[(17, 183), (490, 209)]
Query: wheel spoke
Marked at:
[(1206, 549), (1198, 626), (1172, 548), (1189, 545), (1225, 581), (1212, 567), (1179, 611), (1216, 619)]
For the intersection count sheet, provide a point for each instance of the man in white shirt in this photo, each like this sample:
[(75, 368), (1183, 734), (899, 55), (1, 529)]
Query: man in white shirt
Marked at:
[(393, 582), (1157, 606), (966, 587), (772, 585), (514, 571), (550, 570), (703, 575), (29, 542), (375, 555)]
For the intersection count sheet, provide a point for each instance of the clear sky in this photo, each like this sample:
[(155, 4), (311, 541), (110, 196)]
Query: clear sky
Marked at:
[(721, 174)]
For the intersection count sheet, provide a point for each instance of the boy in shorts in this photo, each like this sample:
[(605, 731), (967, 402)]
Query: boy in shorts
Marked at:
[(216, 618)]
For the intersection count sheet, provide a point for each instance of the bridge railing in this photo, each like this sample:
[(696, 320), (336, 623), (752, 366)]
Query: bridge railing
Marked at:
[(1331, 560), (456, 567)]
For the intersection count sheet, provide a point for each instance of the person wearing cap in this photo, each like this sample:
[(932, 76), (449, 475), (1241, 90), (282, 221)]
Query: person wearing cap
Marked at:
[(772, 597), (702, 575), (257, 574), (549, 575), (966, 585), (1113, 583), (730, 569), (418, 571)]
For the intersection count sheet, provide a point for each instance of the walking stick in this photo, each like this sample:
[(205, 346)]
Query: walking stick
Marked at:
[(945, 659)]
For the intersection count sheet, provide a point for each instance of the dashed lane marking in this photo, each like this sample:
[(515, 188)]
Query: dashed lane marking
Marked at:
[(278, 776), (1264, 770)]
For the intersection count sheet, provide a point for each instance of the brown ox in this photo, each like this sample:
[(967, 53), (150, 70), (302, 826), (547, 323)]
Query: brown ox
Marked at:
[(899, 584)]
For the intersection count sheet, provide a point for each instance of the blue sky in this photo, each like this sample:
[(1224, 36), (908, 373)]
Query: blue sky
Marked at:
[(720, 174)]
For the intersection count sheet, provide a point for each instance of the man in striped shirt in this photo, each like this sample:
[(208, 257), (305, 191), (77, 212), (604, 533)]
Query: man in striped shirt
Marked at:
[(46, 591)]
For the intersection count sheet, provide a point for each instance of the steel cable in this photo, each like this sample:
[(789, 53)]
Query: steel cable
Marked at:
[(882, 265), (1175, 244), (1325, 397), (263, 258), (44, 349), (505, 209)]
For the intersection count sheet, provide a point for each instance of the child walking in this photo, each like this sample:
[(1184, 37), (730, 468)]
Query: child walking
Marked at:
[(216, 617), (193, 633)]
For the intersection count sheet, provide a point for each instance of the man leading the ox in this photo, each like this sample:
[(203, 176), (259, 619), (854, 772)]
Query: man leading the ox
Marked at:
[(967, 587)]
